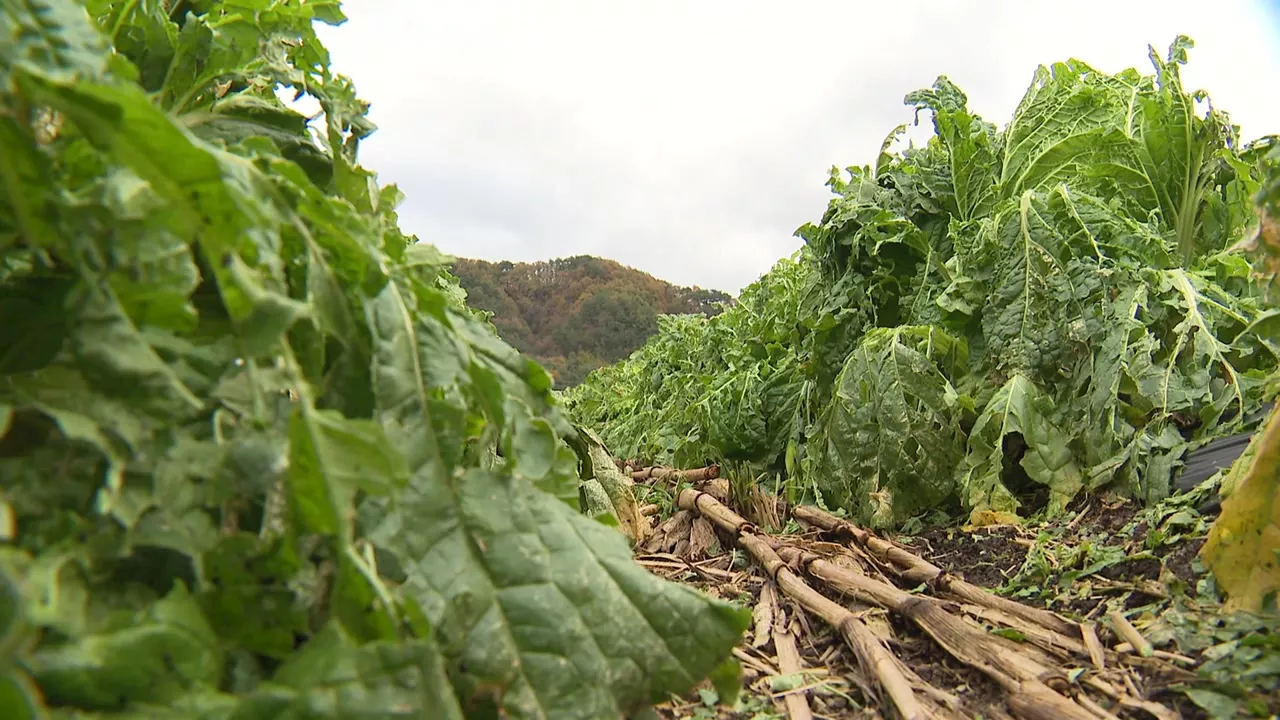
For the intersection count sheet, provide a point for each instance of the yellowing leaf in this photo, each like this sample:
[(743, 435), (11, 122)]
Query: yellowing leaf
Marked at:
[(1243, 549), (986, 517)]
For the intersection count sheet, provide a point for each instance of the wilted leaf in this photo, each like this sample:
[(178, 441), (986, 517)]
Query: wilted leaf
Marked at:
[(1243, 548)]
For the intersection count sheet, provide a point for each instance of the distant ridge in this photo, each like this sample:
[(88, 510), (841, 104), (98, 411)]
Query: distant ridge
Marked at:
[(579, 313)]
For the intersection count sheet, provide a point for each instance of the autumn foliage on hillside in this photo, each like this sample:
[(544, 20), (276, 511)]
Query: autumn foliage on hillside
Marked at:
[(579, 313)]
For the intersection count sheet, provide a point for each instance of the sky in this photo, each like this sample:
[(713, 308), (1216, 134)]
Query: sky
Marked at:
[(691, 138)]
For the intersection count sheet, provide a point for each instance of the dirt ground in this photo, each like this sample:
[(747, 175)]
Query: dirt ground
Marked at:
[(1102, 555)]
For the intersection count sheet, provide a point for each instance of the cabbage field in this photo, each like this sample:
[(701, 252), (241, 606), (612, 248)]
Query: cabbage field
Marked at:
[(1007, 342), (259, 459), (994, 322)]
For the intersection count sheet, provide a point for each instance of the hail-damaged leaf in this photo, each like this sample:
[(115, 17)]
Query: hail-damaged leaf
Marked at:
[(1032, 295), (607, 491), (328, 300), (973, 147), (1179, 153), (1016, 422), (734, 414), (144, 33), (1196, 354), (889, 440), (248, 598), (539, 455), (1126, 345)]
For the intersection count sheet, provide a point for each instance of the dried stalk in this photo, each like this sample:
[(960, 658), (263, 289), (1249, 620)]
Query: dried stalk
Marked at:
[(763, 615), (1156, 710), (1056, 643), (1091, 641), (915, 569), (696, 475), (784, 643), (669, 532), (1128, 632), (1020, 676), (874, 658)]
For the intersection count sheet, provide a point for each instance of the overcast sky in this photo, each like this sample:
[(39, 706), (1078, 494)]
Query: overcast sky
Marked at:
[(690, 138)]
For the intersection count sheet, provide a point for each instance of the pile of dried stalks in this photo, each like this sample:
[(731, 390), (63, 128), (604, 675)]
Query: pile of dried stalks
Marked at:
[(1040, 665)]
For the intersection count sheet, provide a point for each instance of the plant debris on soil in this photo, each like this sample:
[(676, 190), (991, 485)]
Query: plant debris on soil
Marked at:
[(1104, 612)]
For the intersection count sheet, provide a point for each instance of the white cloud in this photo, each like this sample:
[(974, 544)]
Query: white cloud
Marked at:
[(691, 138)]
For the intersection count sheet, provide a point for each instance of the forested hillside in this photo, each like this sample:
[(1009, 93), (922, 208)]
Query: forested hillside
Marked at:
[(576, 314)]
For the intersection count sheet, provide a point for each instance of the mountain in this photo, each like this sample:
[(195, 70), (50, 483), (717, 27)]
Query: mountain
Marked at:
[(576, 314)]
